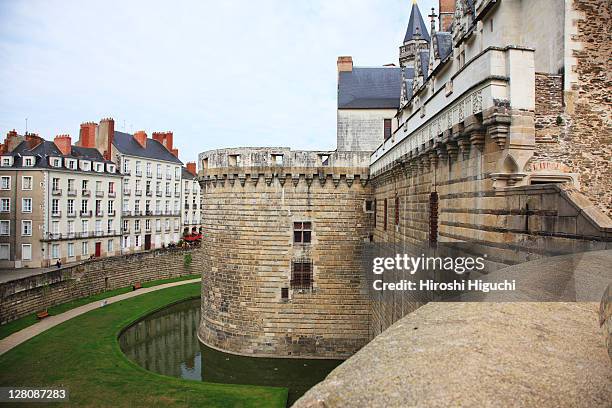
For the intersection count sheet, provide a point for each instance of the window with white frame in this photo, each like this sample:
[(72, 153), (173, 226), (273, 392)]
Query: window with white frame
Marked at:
[(5, 227), (84, 226), (5, 204), (71, 227), (168, 172), (126, 204), (98, 186), (70, 206), (56, 162), (55, 227), (148, 225), (84, 206), (136, 225), (26, 183), (99, 167), (126, 242), (137, 241), (159, 170), (111, 186), (149, 171), (26, 228), (138, 170), (55, 206), (177, 173), (55, 251), (98, 226), (26, 252), (71, 164), (85, 165), (5, 250), (29, 161), (126, 225), (26, 205), (126, 166), (5, 183), (71, 185), (136, 206), (109, 226), (71, 249), (85, 248), (7, 161), (111, 207), (158, 224), (110, 245), (55, 183), (167, 224)]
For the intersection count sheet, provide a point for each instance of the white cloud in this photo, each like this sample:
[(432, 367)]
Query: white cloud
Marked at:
[(217, 73)]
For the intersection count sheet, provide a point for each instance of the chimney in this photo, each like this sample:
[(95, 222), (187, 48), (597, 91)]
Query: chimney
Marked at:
[(174, 152), (345, 64), (446, 10), (33, 140), (104, 138), (64, 144), (191, 167), (12, 141), (141, 138), (87, 135), (165, 138)]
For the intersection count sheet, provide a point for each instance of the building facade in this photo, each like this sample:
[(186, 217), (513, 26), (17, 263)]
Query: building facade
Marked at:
[(191, 215), (59, 204), (499, 146)]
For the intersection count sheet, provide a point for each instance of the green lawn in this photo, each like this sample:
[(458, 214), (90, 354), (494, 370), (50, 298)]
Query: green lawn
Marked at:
[(83, 355), (16, 325)]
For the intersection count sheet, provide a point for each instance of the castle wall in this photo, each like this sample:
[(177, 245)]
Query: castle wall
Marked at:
[(248, 252), (21, 297), (582, 139)]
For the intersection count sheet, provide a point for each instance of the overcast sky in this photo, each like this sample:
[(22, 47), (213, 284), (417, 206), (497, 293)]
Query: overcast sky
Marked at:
[(218, 73)]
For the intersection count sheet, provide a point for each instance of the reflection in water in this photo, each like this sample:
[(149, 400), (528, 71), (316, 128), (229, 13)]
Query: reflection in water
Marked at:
[(166, 342)]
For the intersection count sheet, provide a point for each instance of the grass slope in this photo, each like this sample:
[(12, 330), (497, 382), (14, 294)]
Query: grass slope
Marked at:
[(83, 355), (16, 325)]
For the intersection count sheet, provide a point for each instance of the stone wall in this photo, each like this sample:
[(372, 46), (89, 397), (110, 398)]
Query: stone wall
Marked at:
[(549, 111), (31, 294), (584, 140), (249, 249), (510, 225)]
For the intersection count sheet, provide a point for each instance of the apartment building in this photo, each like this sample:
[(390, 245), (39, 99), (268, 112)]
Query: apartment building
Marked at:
[(191, 215), (57, 202)]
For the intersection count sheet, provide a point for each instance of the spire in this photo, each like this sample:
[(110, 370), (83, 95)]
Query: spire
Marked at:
[(416, 26)]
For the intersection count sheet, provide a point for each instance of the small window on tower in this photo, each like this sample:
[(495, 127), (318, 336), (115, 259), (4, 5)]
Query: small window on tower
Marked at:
[(369, 206), (284, 293), (387, 128), (301, 275), (302, 232)]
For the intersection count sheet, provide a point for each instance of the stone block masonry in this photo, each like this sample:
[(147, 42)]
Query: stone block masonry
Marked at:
[(19, 298), (253, 302)]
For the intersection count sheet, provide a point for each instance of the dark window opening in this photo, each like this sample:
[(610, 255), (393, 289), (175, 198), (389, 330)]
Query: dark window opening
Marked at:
[(369, 206), (375, 208), (301, 275), (433, 219), (385, 215), (387, 128), (302, 232), (324, 159), (397, 211), (284, 293)]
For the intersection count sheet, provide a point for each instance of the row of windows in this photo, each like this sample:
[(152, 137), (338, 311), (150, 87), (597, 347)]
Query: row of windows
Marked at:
[(147, 205), (26, 252), (26, 183), (56, 185), (26, 205), (70, 164), (147, 224), (385, 211), (26, 228), (127, 169)]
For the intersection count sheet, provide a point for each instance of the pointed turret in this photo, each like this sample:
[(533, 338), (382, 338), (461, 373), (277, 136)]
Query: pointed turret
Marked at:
[(417, 30), (416, 38)]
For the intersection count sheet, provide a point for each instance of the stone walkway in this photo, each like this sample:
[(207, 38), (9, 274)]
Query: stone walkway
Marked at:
[(19, 337)]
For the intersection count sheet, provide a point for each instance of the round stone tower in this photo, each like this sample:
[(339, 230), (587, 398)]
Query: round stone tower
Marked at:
[(283, 235)]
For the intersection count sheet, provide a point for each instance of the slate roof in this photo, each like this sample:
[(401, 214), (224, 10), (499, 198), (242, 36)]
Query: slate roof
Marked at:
[(187, 175), (126, 144), (444, 42), (370, 88), (416, 26), (408, 88), (47, 149)]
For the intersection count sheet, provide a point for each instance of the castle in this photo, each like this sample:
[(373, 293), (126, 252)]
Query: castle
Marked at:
[(491, 137)]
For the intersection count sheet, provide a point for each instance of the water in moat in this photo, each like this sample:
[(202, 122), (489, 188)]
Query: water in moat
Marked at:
[(166, 342)]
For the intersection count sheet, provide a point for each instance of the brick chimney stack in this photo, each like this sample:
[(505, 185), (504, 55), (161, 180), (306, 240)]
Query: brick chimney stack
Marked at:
[(64, 144), (104, 138), (11, 141), (141, 138), (345, 64), (446, 11), (33, 140), (87, 134), (191, 167), (167, 140)]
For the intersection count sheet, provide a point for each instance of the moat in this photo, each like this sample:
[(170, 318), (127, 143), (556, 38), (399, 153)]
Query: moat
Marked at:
[(166, 342)]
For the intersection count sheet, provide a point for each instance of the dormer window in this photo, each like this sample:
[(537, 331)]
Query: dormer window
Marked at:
[(110, 168), (56, 162), (7, 161), (71, 164), (99, 167), (29, 161), (85, 165)]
